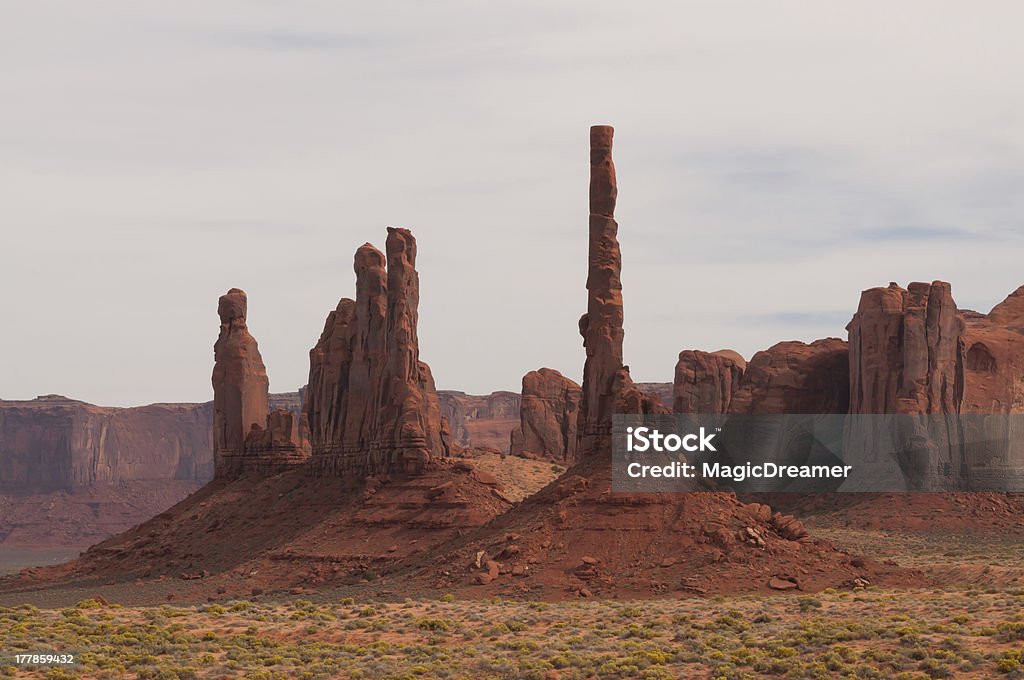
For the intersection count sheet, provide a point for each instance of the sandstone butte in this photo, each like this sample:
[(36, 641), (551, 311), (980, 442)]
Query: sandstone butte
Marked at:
[(910, 352), (575, 537)]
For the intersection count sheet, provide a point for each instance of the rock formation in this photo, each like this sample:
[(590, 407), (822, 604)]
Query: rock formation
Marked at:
[(705, 381), (371, 403), (994, 358), (246, 437), (906, 351), (547, 429), (271, 449), (72, 473), (795, 377), (577, 537), (240, 383), (993, 379), (906, 359), (607, 387), (480, 421)]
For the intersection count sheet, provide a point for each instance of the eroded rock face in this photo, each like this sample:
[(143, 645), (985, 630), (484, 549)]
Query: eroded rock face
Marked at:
[(550, 406), (795, 377), (994, 358), (272, 449), (54, 443), (240, 383), (907, 358), (607, 386), (371, 403), (661, 390), (601, 326), (906, 351), (706, 381), (994, 383)]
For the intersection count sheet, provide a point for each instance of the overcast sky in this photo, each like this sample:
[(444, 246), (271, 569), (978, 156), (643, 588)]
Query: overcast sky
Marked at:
[(774, 159)]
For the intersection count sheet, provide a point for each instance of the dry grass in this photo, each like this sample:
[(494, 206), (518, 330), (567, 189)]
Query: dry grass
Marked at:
[(880, 634)]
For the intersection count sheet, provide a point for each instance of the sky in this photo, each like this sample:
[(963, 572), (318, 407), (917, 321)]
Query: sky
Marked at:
[(774, 159)]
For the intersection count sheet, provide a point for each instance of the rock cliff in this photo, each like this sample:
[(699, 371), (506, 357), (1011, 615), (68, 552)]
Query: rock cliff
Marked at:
[(53, 443), (906, 351)]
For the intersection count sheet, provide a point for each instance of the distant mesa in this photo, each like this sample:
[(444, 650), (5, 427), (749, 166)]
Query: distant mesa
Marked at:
[(481, 422)]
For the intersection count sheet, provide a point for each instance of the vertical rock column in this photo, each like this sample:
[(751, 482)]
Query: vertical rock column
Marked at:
[(240, 384), (409, 427), (601, 326), (607, 387)]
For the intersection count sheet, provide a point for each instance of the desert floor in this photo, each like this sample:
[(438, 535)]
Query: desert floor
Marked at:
[(970, 624)]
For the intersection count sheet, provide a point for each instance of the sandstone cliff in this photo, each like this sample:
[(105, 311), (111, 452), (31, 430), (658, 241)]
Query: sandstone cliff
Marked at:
[(906, 351), (53, 443)]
